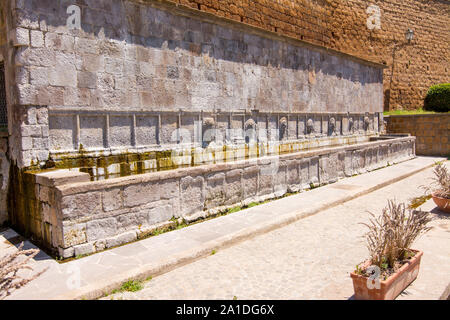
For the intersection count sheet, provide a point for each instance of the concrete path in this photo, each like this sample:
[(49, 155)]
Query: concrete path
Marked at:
[(310, 258)]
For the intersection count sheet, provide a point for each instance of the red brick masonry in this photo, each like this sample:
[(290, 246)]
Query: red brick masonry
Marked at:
[(432, 132)]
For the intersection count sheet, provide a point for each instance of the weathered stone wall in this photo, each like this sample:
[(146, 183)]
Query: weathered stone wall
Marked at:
[(4, 177), (432, 132), (140, 58), (79, 217), (341, 25), (4, 160)]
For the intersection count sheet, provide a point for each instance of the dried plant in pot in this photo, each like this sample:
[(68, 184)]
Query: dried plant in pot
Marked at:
[(392, 264), (440, 187)]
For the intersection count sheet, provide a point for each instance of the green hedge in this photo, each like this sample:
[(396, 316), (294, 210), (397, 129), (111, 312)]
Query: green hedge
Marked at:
[(438, 98)]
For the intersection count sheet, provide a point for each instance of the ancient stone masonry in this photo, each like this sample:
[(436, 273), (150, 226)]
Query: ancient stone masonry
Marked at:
[(342, 25), (146, 71), (4, 161), (77, 216), (149, 112), (4, 177)]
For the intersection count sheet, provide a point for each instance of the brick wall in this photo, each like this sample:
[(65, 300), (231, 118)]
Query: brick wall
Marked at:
[(341, 25), (432, 132)]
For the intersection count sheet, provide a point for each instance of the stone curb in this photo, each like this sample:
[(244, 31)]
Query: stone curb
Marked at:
[(98, 289)]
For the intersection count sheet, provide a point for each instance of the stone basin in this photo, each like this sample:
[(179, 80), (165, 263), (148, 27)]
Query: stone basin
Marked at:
[(73, 215)]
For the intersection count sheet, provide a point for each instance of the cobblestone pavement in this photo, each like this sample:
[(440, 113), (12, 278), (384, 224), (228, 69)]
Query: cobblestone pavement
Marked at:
[(309, 259)]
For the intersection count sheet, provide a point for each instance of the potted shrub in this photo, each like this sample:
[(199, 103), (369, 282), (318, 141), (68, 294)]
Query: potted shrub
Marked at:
[(440, 188), (392, 265)]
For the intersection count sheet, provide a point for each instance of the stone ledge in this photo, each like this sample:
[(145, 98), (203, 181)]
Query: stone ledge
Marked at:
[(61, 177)]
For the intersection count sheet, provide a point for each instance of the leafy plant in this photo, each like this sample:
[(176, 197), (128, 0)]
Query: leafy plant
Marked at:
[(10, 265), (438, 98), (391, 234), (132, 286)]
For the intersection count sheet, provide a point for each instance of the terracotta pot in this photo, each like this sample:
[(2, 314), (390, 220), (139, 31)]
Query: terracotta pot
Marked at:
[(391, 287), (442, 203)]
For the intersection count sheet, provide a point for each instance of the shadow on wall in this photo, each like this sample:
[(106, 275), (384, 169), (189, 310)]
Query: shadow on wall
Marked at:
[(150, 27), (4, 177), (387, 99)]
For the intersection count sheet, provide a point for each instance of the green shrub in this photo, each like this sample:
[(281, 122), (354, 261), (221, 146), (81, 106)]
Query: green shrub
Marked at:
[(438, 98)]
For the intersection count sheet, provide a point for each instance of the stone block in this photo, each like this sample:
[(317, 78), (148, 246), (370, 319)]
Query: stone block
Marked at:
[(215, 190), (93, 63), (37, 38), (266, 177), (279, 181), (314, 171), (121, 239), (66, 253), (44, 194), (83, 249), (63, 75), (101, 229), (192, 195), (120, 131), (81, 205), (161, 212), (146, 130), (87, 80), (304, 173), (328, 168), (132, 220), (145, 193), (39, 76), (86, 46), (112, 199), (250, 182), (92, 131), (233, 190), (21, 37), (73, 234), (292, 176)]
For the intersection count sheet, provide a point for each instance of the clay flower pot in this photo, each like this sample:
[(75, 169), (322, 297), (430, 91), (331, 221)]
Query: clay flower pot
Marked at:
[(390, 288), (442, 203)]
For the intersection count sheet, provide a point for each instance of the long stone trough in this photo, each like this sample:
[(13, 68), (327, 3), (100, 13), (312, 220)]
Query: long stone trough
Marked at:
[(74, 215)]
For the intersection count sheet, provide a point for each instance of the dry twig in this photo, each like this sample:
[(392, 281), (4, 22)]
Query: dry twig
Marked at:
[(440, 185), (10, 265)]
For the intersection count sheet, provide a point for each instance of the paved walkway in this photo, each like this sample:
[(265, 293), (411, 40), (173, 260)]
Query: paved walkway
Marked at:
[(308, 259)]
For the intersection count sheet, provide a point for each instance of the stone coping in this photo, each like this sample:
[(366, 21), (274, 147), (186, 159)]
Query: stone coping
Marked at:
[(64, 110), (443, 114), (82, 187)]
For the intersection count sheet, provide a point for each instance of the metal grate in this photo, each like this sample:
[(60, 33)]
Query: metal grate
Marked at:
[(3, 110)]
